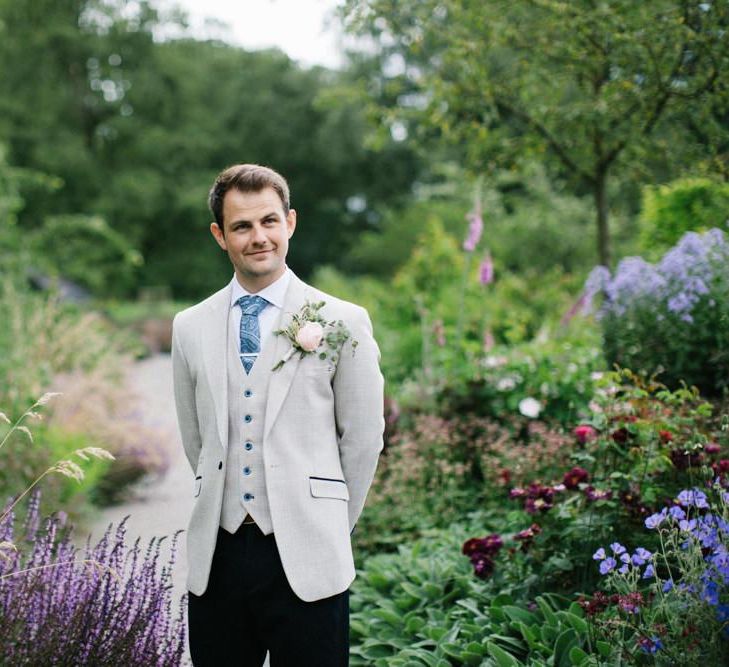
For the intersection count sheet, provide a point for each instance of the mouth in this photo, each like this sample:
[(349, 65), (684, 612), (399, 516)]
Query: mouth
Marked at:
[(261, 252)]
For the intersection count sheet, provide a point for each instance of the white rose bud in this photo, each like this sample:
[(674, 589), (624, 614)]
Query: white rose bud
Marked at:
[(309, 336)]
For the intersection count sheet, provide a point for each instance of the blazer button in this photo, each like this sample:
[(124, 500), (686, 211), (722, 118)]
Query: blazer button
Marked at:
[(248, 496), (246, 471), (248, 446), (247, 393), (220, 465), (247, 419)]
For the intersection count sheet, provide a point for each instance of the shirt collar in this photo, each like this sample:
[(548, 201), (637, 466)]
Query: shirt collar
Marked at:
[(274, 293)]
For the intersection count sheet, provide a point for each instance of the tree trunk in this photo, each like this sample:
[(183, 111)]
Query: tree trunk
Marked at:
[(601, 208)]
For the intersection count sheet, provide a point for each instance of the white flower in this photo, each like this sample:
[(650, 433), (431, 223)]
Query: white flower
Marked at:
[(309, 336), (596, 375), (530, 407), (493, 361), (506, 384)]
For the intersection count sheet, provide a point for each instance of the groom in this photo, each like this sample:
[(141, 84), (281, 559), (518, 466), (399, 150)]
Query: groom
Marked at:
[(283, 453)]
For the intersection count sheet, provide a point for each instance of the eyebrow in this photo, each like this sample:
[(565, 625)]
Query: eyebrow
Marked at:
[(272, 214)]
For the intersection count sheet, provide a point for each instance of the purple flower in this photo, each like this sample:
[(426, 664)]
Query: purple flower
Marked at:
[(486, 270), (599, 554), (677, 513), (655, 520), (607, 565), (649, 571), (667, 585), (693, 498), (617, 548), (640, 556), (650, 646)]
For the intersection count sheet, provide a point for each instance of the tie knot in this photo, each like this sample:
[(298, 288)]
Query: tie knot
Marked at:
[(252, 304)]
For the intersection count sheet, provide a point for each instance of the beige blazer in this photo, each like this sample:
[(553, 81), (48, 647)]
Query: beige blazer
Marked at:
[(322, 437)]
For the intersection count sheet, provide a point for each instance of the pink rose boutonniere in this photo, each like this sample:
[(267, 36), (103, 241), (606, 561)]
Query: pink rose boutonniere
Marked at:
[(309, 332)]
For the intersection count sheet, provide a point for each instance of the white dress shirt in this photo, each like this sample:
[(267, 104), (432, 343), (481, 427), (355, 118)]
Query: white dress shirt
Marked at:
[(268, 317)]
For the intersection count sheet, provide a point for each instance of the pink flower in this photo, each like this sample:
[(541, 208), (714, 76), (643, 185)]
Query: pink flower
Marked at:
[(475, 227), (584, 433), (309, 336), (486, 272), (488, 341)]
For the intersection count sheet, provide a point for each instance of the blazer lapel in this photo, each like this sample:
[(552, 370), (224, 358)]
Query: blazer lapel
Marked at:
[(280, 380), (215, 354)]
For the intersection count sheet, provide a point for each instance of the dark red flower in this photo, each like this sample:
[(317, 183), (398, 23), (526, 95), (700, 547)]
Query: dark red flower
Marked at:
[(720, 467), (573, 478), (665, 436), (483, 567), (505, 475), (621, 435), (683, 459)]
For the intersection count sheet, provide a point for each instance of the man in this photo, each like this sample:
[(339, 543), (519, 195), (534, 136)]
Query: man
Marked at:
[(283, 432)]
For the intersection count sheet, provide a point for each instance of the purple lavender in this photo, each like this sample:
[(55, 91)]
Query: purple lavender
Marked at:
[(66, 612)]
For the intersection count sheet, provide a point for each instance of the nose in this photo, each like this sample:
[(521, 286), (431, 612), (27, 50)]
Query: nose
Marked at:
[(259, 238)]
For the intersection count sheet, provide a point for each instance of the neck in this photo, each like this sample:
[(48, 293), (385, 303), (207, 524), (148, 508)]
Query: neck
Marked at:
[(255, 284)]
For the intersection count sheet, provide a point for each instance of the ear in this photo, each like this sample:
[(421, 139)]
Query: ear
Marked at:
[(291, 222), (219, 236)]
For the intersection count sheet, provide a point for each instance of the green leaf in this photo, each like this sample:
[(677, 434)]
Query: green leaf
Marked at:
[(388, 616), (547, 612), (503, 659), (578, 656), (603, 648), (519, 614), (579, 624), (452, 650), (562, 646)]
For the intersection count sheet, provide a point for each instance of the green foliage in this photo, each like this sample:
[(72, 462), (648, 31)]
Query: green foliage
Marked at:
[(671, 210), (91, 254), (558, 372), (421, 607)]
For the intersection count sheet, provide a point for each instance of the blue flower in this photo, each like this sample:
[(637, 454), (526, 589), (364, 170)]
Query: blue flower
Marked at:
[(649, 572), (617, 548), (655, 520), (693, 498), (640, 556), (667, 585), (599, 554), (677, 513), (607, 565), (652, 645)]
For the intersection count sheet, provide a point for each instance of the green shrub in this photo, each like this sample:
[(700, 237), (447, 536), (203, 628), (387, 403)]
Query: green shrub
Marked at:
[(671, 210)]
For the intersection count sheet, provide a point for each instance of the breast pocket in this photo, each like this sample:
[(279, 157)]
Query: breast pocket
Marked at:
[(327, 487)]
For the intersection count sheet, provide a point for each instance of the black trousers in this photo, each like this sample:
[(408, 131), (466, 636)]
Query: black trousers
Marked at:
[(249, 608)]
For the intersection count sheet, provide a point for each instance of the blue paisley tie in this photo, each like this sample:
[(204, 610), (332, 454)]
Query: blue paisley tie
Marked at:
[(250, 336)]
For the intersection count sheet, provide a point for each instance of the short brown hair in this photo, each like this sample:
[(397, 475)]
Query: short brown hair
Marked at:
[(246, 178)]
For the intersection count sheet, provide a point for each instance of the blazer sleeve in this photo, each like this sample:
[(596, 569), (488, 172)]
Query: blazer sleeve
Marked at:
[(184, 388), (359, 410)]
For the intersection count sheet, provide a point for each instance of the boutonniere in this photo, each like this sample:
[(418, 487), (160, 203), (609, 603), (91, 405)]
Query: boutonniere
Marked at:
[(310, 333)]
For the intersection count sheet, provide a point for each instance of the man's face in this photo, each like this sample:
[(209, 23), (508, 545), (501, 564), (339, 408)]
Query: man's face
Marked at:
[(257, 234)]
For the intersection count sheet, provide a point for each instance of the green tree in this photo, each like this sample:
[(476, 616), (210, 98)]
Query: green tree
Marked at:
[(592, 86)]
